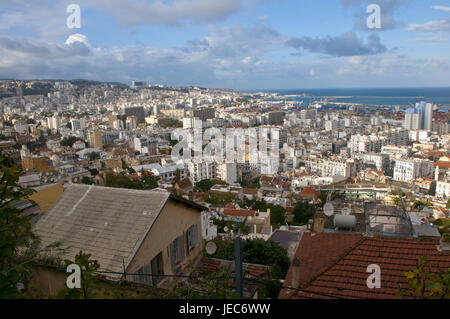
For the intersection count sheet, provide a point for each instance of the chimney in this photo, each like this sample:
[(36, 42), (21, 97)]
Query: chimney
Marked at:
[(295, 283), (444, 243), (319, 225)]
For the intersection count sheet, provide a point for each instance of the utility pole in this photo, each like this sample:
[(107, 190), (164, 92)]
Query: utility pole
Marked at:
[(238, 265)]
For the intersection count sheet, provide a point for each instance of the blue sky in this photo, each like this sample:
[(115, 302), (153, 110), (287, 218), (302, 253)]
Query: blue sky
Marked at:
[(239, 44)]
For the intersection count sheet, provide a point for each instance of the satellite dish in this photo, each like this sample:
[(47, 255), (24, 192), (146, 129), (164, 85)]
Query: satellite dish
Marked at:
[(345, 211), (211, 248), (225, 229), (328, 209)]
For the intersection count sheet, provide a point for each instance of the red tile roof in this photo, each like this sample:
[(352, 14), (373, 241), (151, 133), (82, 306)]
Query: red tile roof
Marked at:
[(336, 265), (239, 212), (310, 192), (442, 164), (250, 191)]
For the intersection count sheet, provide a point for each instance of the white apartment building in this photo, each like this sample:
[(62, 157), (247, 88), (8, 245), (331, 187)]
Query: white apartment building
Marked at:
[(396, 151), (227, 172), (398, 137), (364, 144), (54, 123), (201, 171), (167, 173), (331, 168), (78, 125), (380, 160), (405, 171), (443, 188), (408, 170)]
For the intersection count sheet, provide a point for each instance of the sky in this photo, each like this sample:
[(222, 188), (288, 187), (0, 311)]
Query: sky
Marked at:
[(237, 44)]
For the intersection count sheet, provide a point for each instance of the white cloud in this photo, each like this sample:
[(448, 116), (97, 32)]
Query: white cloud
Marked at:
[(441, 8), (77, 37), (441, 26)]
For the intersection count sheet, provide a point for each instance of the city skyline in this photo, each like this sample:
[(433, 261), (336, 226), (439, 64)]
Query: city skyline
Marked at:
[(243, 45)]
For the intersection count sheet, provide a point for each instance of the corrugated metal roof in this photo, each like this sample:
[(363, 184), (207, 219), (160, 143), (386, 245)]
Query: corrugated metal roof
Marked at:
[(109, 223)]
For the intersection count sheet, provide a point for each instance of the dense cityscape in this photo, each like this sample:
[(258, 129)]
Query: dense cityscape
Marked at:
[(374, 175), (212, 159)]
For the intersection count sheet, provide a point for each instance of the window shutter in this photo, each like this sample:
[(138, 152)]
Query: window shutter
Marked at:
[(181, 254), (173, 255), (195, 235)]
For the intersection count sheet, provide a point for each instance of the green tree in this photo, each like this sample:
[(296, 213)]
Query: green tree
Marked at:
[(215, 285), (145, 182), (419, 204), (260, 205), (87, 180), (93, 156), (15, 230), (220, 199), (69, 141), (206, 185), (177, 176), (257, 251), (90, 280), (277, 214), (303, 212), (424, 283), (149, 181), (448, 204)]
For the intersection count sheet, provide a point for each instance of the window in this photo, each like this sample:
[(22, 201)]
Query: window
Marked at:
[(192, 237), (157, 269), (177, 251), (142, 275)]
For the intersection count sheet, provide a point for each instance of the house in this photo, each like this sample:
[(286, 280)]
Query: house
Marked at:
[(250, 193), (258, 222), (30, 180), (334, 265), (184, 186), (46, 196), (309, 194), (288, 239), (131, 233)]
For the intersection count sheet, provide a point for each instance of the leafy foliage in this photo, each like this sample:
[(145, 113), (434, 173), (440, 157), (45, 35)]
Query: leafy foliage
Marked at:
[(221, 224), (144, 182), (93, 156), (206, 185), (303, 211), (69, 141), (444, 228), (172, 123), (426, 284), (216, 285), (257, 251), (87, 180), (15, 230), (90, 281), (220, 199)]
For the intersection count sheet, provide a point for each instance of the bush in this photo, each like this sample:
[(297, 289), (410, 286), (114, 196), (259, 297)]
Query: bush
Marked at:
[(303, 212), (257, 251)]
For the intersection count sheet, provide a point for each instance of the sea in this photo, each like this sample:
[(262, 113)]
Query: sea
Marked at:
[(403, 97)]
